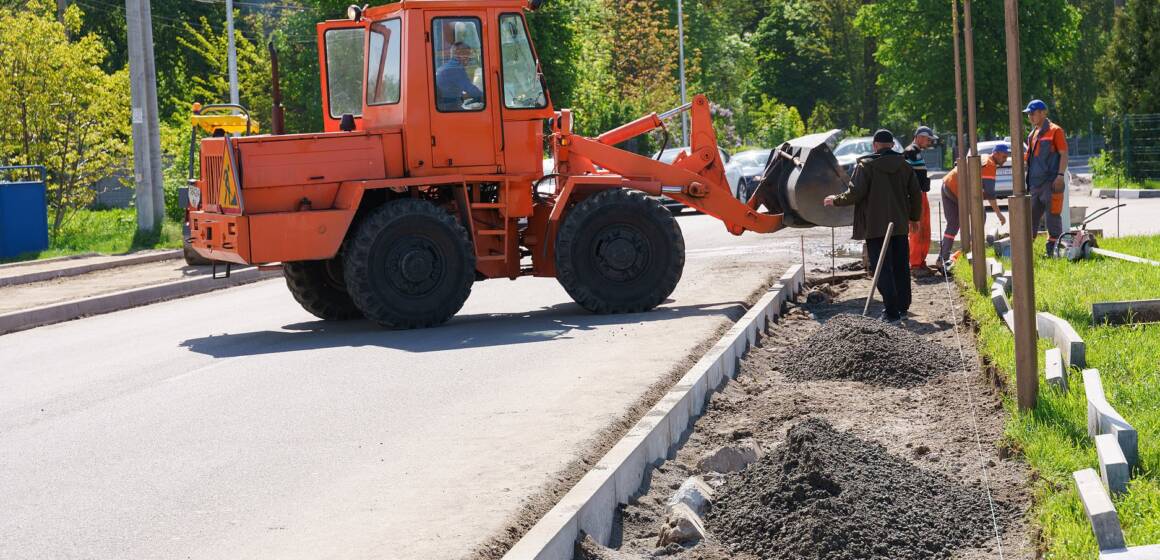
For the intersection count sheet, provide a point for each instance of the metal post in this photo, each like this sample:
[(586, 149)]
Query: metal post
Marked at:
[(1019, 206), (681, 61), (975, 186), (232, 53), (960, 145), (147, 180)]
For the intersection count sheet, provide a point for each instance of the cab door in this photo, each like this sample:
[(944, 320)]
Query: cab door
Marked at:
[(462, 116), (341, 54)]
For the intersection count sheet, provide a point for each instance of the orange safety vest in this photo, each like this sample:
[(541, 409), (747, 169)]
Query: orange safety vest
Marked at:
[(951, 179)]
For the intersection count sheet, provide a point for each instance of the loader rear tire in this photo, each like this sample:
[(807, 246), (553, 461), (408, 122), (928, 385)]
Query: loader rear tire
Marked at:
[(619, 252), (319, 288), (409, 264)]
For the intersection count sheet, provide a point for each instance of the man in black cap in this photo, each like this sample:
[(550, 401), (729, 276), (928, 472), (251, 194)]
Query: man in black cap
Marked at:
[(919, 242), (883, 191)]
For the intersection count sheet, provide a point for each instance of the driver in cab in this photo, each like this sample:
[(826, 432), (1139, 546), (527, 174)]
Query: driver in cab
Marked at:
[(456, 90)]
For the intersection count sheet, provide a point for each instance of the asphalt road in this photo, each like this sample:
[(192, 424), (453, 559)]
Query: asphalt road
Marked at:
[(234, 425)]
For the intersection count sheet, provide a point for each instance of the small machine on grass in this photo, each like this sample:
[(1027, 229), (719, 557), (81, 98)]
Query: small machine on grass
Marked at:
[(1078, 243)]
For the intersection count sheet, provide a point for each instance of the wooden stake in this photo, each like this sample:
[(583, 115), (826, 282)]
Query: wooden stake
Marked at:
[(878, 266)]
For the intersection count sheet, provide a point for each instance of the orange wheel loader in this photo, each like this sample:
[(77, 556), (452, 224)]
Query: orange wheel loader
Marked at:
[(429, 176)]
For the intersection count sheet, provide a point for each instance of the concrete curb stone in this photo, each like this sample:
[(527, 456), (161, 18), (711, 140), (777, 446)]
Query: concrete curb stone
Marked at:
[(1126, 193), (1053, 369), (1099, 510), (1066, 339), (590, 506), (1114, 470), (1149, 552), (116, 301), (18, 264), (1102, 418)]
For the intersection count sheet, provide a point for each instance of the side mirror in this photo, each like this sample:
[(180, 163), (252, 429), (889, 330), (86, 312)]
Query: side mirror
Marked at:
[(347, 123), (535, 4)]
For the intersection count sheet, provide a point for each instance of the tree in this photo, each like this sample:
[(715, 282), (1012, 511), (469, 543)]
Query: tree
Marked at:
[(208, 47), (1129, 69), (915, 50), (61, 110), (1075, 91), (774, 123)]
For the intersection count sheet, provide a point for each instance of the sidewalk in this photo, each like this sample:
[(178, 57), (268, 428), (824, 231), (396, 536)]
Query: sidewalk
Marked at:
[(25, 272)]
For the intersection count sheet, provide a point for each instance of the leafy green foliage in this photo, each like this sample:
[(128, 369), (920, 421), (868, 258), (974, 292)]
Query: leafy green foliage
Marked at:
[(1129, 67), (61, 110), (774, 123), (915, 50)]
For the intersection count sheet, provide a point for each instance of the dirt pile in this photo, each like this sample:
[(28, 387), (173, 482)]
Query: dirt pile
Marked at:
[(828, 494), (858, 348)]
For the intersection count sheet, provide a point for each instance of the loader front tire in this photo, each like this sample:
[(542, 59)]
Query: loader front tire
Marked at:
[(619, 252), (409, 264), (319, 288)]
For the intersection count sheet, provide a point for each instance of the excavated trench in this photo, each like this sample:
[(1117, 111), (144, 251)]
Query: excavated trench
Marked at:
[(870, 450)]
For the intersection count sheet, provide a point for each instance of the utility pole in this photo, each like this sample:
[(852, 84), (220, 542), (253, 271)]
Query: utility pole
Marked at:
[(232, 52), (1019, 205), (960, 144), (975, 186), (681, 59), (145, 124)]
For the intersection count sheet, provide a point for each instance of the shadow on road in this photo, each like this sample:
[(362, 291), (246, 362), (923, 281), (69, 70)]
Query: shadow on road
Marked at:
[(463, 331)]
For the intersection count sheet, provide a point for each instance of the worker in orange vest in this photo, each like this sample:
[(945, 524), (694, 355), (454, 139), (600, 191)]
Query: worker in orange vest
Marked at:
[(1046, 166), (950, 199), (919, 241)]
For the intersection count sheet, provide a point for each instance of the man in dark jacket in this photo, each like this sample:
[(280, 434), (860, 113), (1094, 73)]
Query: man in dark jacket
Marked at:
[(883, 191)]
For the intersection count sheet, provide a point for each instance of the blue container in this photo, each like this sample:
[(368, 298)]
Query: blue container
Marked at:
[(23, 210)]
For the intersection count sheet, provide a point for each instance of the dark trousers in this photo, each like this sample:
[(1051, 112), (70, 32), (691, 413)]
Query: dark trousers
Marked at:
[(894, 281)]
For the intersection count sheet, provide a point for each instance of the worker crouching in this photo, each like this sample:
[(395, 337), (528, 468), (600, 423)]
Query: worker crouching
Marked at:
[(884, 190)]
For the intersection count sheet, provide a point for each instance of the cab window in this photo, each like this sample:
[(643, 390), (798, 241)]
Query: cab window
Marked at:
[(458, 55), (344, 68), (383, 63), (522, 88)]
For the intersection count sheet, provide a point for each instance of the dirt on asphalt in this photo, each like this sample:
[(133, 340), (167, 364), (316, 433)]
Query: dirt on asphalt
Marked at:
[(914, 440)]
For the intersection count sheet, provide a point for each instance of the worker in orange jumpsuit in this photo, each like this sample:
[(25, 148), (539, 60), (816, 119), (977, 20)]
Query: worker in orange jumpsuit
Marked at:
[(919, 241), (950, 199), (1046, 167)]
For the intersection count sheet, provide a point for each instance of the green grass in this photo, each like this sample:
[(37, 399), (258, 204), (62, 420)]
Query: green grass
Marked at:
[(104, 231), (1110, 183), (1053, 438)]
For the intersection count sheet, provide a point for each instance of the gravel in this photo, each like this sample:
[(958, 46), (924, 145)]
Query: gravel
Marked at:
[(857, 348), (829, 494)]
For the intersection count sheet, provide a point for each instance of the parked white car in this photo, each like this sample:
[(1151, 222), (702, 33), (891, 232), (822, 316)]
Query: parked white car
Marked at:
[(750, 165), (850, 149)]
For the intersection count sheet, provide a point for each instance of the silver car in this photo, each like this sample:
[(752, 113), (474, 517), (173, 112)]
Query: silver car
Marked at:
[(750, 165), (850, 149)]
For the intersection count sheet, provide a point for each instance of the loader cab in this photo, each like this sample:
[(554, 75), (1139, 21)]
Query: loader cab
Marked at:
[(462, 85)]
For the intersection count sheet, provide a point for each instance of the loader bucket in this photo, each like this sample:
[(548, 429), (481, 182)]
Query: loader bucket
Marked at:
[(799, 174)]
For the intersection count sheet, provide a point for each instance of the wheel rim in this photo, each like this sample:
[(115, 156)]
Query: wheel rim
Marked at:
[(621, 253), (414, 266)]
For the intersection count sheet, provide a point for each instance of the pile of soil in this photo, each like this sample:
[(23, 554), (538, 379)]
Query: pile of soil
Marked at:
[(858, 348), (829, 494)]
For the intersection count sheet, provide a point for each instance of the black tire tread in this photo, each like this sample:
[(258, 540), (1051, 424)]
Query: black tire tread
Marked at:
[(356, 263), (307, 281), (574, 225)]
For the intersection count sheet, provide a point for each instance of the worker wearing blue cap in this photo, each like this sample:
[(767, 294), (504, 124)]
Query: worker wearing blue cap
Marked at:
[(1046, 168), (950, 199)]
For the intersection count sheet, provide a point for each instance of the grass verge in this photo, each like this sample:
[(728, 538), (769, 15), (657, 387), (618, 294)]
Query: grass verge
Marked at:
[(1053, 438), (1110, 183), (104, 231)]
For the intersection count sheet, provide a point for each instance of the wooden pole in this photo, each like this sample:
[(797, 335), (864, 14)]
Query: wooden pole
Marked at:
[(878, 266), (1022, 263), (960, 144), (975, 185)]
